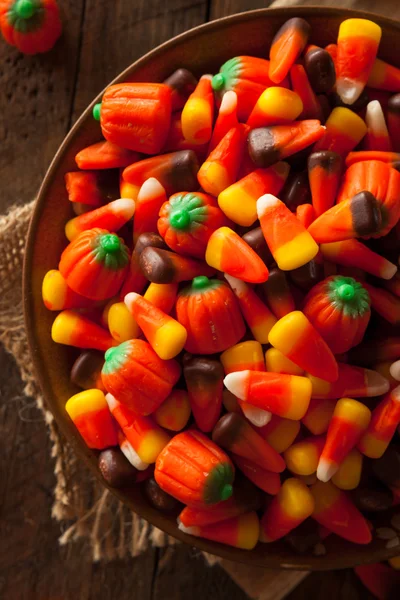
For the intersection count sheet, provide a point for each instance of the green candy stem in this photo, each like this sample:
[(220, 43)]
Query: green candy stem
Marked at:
[(349, 296), (96, 111), (218, 81), (346, 292), (201, 283), (115, 358), (25, 9), (110, 243), (226, 492), (180, 219)]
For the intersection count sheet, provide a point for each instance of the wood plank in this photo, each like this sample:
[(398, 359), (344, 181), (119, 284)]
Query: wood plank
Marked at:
[(126, 33), (389, 8), (36, 95), (223, 8)]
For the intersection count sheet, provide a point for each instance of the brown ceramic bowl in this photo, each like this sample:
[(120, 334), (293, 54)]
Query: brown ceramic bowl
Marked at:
[(202, 50)]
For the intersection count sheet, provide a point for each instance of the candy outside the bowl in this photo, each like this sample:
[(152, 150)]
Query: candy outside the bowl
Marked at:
[(232, 307)]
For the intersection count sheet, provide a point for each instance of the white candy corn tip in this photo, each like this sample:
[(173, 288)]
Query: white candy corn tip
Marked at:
[(130, 300), (229, 102), (124, 207), (151, 188), (376, 383), (237, 383), (237, 285), (375, 118), (389, 270), (112, 402), (130, 453), (326, 470), (348, 90), (257, 416), (188, 530), (395, 394), (395, 370), (264, 203)]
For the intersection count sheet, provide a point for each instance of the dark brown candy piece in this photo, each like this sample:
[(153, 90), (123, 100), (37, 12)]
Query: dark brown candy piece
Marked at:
[(329, 161), (306, 276), (387, 468), (183, 172), (261, 147), (394, 104), (163, 266), (199, 370), (182, 83), (86, 370), (296, 190), (256, 240), (115, 468), (357, 106), (325, 106), (304, 537), (277, 293), (148, 239), (158, 498), (365, 213), (320, 69), (227, 430), (373, 497)]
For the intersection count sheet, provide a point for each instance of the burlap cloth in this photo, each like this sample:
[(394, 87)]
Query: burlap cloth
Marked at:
[(86, 509)]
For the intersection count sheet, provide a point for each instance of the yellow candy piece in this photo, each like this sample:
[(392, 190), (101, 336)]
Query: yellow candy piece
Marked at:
[(121, 323), (395, 562), (276, 106), (151, 445), (169, 339), (243, 356), (128, 190), (344, 119), (174, 412), (248, 531), (85, 402), (296, 499), (296, 253), (348, 476), (302, 458), (317, 418), (54, 290), (359, 27), (283, 435), (288, 330), (276, 362)]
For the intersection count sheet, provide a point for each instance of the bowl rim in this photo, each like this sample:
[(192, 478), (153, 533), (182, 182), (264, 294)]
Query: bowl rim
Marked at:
[(220, 550)]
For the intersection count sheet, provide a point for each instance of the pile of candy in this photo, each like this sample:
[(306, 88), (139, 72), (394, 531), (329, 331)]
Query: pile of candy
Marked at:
[(248, 372)]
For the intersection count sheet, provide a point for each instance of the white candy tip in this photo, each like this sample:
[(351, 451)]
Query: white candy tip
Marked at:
[(124, 206), (237, 383), (389, 270), (151, 188), (376, 383), (395, 370), (130, 299), (130, 453), (257, 416), (237, 285), (348, 90), (264, 203), (229, 102), (188, 530), (326, 470), (111, 401)]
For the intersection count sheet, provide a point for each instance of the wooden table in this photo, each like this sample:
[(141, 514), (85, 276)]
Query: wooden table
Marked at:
[(40, 99)]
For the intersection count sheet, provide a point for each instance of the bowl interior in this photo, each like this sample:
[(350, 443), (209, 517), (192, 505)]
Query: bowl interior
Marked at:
[(201, 50)]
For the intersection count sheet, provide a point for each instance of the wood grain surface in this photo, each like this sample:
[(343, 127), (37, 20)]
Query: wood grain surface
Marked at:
[(39, 100)]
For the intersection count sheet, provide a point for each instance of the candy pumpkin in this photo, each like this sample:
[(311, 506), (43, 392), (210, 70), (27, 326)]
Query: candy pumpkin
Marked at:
[(95, 264), (32, 26), (339, 308), (187, 221), (211, 315)]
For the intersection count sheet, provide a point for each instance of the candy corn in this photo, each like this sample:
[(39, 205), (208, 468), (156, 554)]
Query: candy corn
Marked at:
[(90, 414), (145, 436), (182, 83), (121, 323), (349, 422), (175, 171), (318, 415), (369, 155), (267, 481), (377, 137), (348, 475), (290, 243), (276, 362), (135, 375), (165, 335), (357, 46), (105, 155), (174, 413), (334, 510), (291, 506), (239, 200), (320, 69), (226, 119), (256, 240), (275, 106), (302, 457), (135, 280), (355, 382), (287, 45), (305, 214), (256, 314), (299, 341), (324, 170), (277, 293), (84, 188), (112, 216), (344, 130), (284, 395), (194, 470), (267, 145), (151, 196), (239, 532), (384, 76), (73, 329), (384, 421), (198, 112), (352, 253), (162, 266), (58, 296), (130, 453), (162, 295), (233, 433), (301, 85), (384, 303), (204, 381), (221, 167), (229, 253), (280, 433)]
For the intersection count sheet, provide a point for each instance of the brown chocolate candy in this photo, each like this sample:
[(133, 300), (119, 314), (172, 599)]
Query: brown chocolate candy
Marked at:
[(261, 147), (276, 286), (304, 537), (227, 430), (296, 190), (387, 468), (199, 370), (157, 265), (325, 159), (365, 213), (182, 83), (306, 276), (183, 172), (295, 24), (372, 498), (115, 468), (256, 240), (158, 498), (148, 239), (86, 370), (320, 69)]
